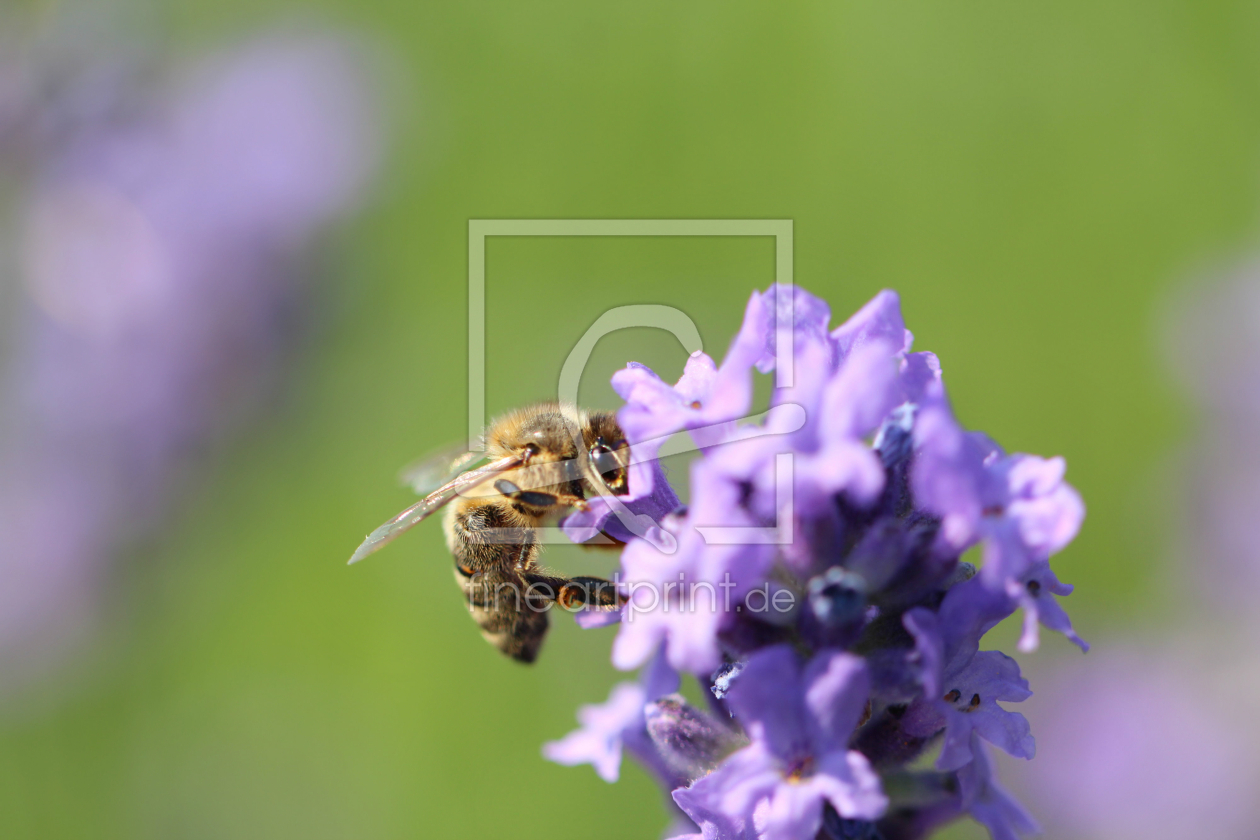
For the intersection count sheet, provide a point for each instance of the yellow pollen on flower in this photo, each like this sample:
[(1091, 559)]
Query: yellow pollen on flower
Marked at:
[(800, 769)]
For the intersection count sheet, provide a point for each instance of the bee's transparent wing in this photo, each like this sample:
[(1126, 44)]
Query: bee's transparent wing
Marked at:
[(436, 470), (415, 514)]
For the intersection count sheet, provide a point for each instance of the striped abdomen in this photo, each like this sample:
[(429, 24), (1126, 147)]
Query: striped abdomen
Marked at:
[(495, 573)]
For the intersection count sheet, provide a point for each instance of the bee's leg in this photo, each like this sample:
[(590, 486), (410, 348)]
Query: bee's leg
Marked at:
[(604, 541), (589, 591), (535, 499), (573, 592), (595, 592), (541, 587)]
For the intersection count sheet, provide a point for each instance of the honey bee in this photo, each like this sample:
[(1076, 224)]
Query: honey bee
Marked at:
[(544, 460)]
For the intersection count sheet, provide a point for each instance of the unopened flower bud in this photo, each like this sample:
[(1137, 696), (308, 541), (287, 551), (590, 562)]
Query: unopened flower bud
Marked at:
[(836, 607), (690, 741)]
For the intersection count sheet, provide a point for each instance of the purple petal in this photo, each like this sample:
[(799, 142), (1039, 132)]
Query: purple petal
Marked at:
[(641, 632), (767, 698), (948, 474), (653, 408), (921, 378), (697, 380), (794, 811), (988, 803), (714, 823), (717, 501), (599, 740), (1006, 556), (988, 677), (849, 783), (956, 748), (591, 618), (1037, 594), (1048, 520), (843, 466), (969, 610), (836, 690), (813, 367), (863, 391), (753, 345), (781, 309), (879, 320), (645, 509), (854, 404), (733, 385), (734, 788), (655, 615), (1008, 730), (705, 399), (659, 678), (1030, 476), (993, 675), (637, 640), (923, 627)]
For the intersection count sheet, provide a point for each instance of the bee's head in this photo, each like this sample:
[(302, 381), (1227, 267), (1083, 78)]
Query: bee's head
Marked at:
[(591, 445)]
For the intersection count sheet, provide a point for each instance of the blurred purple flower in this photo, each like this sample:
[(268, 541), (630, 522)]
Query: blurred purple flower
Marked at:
[(1212, 335), (1138, 744), (1135, 746), (161, 250)]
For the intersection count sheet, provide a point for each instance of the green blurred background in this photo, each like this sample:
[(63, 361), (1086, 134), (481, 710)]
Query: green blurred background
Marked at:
[(1032, 178)]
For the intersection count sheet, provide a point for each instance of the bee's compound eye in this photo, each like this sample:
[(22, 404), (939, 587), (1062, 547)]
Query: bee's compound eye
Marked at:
[(604, 461)]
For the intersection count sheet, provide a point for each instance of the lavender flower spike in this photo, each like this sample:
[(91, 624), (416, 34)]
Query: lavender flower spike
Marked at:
[(850, 520)]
